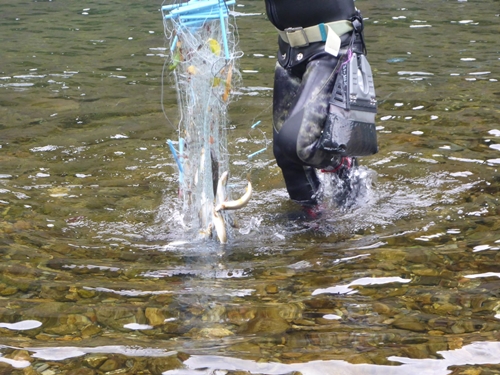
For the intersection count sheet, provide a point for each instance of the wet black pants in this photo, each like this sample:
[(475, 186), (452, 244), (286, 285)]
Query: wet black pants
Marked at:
[(300, 106)]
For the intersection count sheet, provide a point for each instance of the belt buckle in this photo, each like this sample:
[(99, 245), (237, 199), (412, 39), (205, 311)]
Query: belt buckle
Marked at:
[(290, 31)]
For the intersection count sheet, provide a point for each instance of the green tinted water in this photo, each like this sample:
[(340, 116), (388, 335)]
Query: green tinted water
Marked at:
[(97, 275)]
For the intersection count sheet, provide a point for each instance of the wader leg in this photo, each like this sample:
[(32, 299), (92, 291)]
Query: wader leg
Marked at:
[(301, 181), (300, 107)]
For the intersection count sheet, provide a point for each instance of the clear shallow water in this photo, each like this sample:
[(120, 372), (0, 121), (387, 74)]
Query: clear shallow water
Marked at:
[(98, 276)]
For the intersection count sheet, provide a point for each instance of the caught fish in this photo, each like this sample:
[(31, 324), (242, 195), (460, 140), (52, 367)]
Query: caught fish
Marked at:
[(221, 188), (221, 204), (220, 226), (238, 203)]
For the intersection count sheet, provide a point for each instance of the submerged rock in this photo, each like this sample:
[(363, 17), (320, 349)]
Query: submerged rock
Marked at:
[(266, 321), (410, 323)]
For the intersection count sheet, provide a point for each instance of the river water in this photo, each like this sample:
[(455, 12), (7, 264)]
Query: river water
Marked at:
[(98, 276)]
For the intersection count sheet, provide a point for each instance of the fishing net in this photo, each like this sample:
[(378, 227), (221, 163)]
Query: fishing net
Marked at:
[(203, 63)]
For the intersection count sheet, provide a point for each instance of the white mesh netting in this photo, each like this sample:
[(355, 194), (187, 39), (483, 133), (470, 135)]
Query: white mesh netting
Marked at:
[(203, 64)]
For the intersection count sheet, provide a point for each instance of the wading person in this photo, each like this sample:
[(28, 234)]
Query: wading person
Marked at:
[(323, 103)]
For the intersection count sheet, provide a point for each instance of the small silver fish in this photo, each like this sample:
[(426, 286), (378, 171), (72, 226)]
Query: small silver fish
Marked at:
[(221, 188), (238, 203), (220, 226)]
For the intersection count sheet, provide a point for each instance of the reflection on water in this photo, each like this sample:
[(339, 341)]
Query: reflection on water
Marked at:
[(98, 276), (475, 354)]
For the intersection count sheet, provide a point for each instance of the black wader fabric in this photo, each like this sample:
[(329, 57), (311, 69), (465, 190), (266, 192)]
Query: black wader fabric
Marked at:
[(300, 105), (304, 79)]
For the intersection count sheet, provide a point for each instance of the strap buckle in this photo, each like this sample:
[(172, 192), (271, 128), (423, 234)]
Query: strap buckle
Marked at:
[(357, 22), (297, 36)]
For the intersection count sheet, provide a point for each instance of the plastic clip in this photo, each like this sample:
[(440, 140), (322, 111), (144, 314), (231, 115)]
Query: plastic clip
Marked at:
[(357, 22)]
